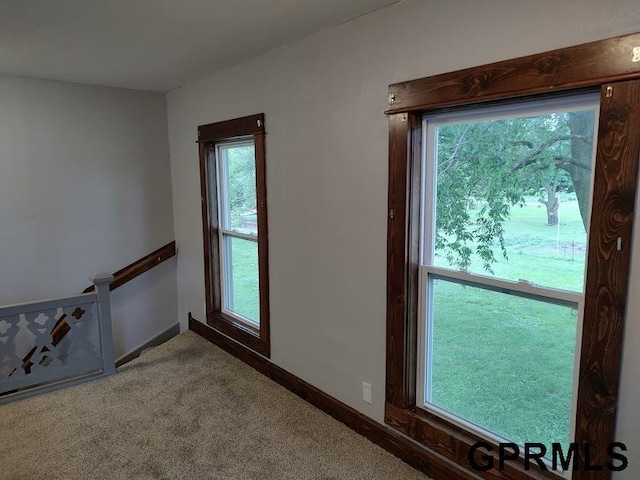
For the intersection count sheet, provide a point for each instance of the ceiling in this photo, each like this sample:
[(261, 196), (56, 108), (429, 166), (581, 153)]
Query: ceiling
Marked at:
[(154, 45)]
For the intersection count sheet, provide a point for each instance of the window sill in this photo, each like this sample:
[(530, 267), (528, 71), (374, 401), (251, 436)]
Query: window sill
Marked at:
[(240, 332), (454, 443)]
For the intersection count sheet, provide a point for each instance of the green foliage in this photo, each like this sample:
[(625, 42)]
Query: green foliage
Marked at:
[(485, 168), (241, 187)]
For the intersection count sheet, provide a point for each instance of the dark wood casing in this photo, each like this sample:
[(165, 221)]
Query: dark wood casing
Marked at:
[(607, 66), (257, 339)]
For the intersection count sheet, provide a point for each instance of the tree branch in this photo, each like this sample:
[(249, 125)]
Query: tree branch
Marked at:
[(443, 167), (525, 143), (563, 162), (529, 159)]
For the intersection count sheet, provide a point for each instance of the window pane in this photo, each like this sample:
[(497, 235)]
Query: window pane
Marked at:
[(241, 281), (239, 188), (513, 196), (502, 362)]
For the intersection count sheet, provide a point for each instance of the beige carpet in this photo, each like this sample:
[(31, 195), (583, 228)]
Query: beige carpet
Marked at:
[(184, 410)]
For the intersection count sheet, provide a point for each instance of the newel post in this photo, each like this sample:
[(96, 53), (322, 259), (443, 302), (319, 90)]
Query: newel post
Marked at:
[(102, 282)]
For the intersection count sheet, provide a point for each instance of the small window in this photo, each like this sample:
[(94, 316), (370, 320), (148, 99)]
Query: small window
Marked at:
[(238, 230), (232, 155)]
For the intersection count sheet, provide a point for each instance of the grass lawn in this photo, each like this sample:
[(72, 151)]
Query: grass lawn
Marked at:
[(552, 256), (504, 362), (245, 296)]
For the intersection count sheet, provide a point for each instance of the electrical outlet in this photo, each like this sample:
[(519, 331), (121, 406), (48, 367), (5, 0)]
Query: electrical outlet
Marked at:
[(366, 392)]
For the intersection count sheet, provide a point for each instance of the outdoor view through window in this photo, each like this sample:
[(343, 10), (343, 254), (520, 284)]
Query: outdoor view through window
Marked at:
[(238, 230), (505, 216)]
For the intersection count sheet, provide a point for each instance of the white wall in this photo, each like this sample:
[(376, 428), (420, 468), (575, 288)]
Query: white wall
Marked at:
[(84, 187), (324, 98)]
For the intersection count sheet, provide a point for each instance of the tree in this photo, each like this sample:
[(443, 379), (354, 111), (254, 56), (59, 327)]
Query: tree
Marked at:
[(578, 164), (241, 178), (486, 167), (551, 201)]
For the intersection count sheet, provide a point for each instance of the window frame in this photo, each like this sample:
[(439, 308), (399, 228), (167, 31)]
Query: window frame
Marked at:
[(210, 137), (428, 268), (228, 232), (605, 66)]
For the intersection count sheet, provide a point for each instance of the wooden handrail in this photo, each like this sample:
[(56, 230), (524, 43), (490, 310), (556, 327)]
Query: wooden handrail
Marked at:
[(140, 266), (121, 277)]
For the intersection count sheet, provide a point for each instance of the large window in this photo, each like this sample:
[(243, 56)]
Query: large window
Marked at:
[(232, 156), (505, 211), (511, 203)]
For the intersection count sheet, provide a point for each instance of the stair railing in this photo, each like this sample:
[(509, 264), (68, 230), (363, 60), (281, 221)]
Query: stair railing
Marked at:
[(52, 341), (85, 354), (121, 277)]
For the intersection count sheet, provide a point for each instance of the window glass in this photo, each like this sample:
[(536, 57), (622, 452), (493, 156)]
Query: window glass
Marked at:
[(238, 231), (503, 362), (512, 195), (239, 177), (505, 213), (242, 289)]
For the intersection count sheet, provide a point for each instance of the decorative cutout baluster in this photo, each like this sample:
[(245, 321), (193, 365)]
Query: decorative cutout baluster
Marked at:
[(80, 345), (46, 354)]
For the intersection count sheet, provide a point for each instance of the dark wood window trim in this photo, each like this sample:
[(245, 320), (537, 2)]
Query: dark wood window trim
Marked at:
[(609, 66), (209, 135)]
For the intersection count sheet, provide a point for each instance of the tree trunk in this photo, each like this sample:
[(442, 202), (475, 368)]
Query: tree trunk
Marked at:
[(581, 124), (552, 203)]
